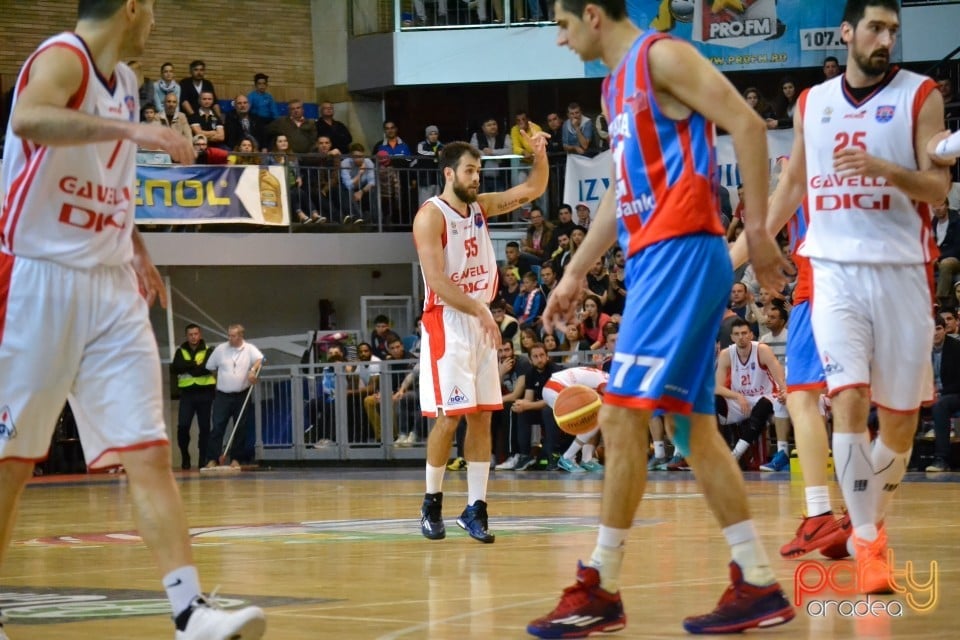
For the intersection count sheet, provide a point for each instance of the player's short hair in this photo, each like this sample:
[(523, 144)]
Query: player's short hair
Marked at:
[(616, 9), (855, 9), (452, 153), (98, 9)]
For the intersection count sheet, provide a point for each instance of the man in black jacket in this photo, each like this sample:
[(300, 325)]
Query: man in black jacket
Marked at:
[(197, 388), (946, 229), (946, 372)]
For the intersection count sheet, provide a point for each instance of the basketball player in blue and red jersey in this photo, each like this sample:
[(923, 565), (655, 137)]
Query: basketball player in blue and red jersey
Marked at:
[(71, 261), (860, 159), (662, 207), (806, 382)]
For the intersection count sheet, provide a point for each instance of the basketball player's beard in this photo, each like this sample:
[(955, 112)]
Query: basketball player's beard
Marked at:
[(873, 65), (463, 192)]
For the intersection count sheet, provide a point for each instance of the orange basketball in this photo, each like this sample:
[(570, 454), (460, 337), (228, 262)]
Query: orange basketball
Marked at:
[(576, 409)]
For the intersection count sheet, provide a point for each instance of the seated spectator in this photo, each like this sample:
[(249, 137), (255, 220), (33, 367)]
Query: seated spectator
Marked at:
[(561, 252), (946, 230), (831, 67), (555, 129), (575, 345), (509, 285), (529, 304), (521, 144), (736, 222), (576, 237), (552, 346), (323, 179), (321, 410), (165, 86), (148, 113), (951, 323), (504, 422), (951, 102), (207, 123), (492, 143), (760, 105), (338, 132), (742, 304), (786, 102), (592, 321), (299, 199), (946, 374), (392, 143), (404, 395), (616, 298), (528, 337), (243, 123), (548, 279), (244, 153), (577, 131), (205, 154), (564, 220), (172, 118), (602, 130), (193, 87), (261, 102), (584, 216), (300, 131), (509, 327), (523, 263), (358, 176), (598, 280), (380, 336), (533, 410), (428, 174)]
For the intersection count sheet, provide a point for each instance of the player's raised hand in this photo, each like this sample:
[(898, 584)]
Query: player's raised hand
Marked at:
[(537, 141), (148, 136), (562, 304)]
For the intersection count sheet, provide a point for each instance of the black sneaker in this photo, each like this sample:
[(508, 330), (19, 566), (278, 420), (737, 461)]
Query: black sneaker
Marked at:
[(473, 520), (431, 518), (939, 466)]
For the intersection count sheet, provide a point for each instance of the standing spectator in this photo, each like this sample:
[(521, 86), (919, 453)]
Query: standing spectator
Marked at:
[(207, 123), (616, 299), (171, 117), (165, 86), (298, 196), (946, 229), (428, 175), (301, 132), (598, 280), (236, 364), (338, 132), (357, 175), (324, 179), (380, 336), (831, 67), (577, 131), (946, 375), (197, 386), (742, 304), (191, 88), (242, 123), (262, 104), (392, 143), (754, 98), (388, 180), (786, 102), (492, 143), (951, 102), (555, 129), (521, 145)]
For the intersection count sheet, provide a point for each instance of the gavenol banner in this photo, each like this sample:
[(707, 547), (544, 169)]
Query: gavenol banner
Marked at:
[(202, 194), (747, 34)]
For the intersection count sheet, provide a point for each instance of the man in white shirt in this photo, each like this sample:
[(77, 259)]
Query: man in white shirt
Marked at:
[(236, 364)]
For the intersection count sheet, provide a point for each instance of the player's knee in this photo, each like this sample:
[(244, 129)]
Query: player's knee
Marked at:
[(762, 410)]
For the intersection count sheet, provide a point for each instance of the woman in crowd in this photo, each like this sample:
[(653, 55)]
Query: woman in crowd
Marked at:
[(299, 200)]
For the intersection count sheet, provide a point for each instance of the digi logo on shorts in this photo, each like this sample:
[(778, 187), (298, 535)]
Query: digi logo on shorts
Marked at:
[(457, 397), (7, 429)]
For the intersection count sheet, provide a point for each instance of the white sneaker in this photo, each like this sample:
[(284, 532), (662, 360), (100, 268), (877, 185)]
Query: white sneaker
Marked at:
[(509, 464), (412, 439), (209, 622), (930, 435), (401, 440)]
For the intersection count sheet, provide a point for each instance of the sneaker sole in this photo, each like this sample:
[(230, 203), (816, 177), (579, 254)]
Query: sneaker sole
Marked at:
[(610, 627), (252, 630), (774, 619), (488, 539)]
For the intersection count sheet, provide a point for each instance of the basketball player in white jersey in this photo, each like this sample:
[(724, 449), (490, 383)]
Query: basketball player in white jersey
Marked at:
[(860, 157), (72, 271), (588, 377), (746, 373), (459, 373)]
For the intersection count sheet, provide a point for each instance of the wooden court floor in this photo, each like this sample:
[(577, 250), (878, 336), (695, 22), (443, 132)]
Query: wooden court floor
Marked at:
[(336, 553)]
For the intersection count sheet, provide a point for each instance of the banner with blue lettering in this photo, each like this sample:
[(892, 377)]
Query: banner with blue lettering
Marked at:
[(204, 194), (587, 179), (747, 34)]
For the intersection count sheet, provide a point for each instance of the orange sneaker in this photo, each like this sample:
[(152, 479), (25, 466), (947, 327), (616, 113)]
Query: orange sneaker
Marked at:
[(836, 548), (812, 534), (873, 571)]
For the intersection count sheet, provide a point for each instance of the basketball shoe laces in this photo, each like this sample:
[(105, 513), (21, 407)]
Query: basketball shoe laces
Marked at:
[(576, 596)]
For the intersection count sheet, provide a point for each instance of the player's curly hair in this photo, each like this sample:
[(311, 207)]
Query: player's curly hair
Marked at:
[(855, 9), (616, 9)]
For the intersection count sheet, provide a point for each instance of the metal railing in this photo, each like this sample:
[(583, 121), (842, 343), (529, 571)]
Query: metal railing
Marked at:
[(367, 17)]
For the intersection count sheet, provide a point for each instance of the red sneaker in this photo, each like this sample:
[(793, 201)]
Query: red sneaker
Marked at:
[(584, 609), (837, 547), (743, 606), (812, 534), (873, 570)]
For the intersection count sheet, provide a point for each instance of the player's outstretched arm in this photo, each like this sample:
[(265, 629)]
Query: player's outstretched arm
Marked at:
[(944, 148), (502, 202), (41, 114)]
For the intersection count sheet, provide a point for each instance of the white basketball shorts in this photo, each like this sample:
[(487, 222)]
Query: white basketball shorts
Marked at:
[(83, 334), (458, 373), (873, 324), (735, 415)]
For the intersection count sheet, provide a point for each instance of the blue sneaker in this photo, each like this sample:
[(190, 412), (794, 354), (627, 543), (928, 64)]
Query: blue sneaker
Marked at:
[(584, 609), (570, 466), (779, 462), (473, 520), (655, 463), (431, 519), (743, 606), (592, 466)]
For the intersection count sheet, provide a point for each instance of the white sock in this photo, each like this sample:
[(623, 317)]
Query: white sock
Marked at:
[(182, 585), (889, 468), (783, 446), (477, 475), (659, 449), (747, 552), (607, 556), (818, 500), (588, 451), (573, 449), (740, 448), (852, 457), (435, 478)]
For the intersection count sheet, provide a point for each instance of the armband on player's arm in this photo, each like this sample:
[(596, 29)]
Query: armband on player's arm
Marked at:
[(946, 149)]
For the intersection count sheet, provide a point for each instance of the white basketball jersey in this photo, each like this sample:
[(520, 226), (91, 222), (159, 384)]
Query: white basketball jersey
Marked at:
[(468, 257), (73, 204), (859, 219), (749, 378), (587, 376)]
